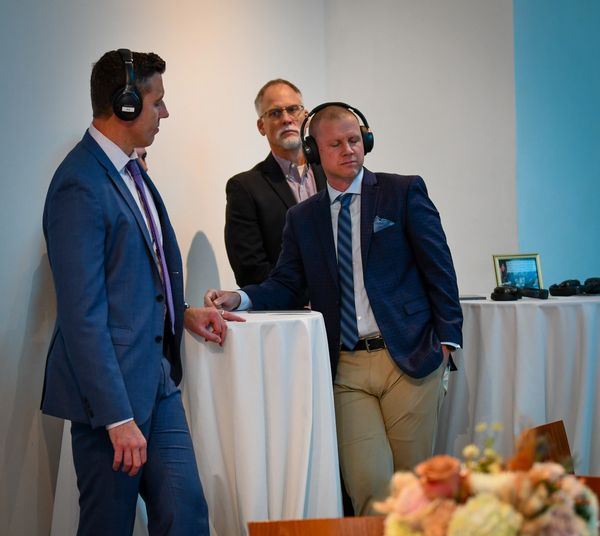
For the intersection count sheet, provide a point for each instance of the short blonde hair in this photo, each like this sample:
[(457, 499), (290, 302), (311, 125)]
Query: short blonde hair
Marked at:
[(331, 113)]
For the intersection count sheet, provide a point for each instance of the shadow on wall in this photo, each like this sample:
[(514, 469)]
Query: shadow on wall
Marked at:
[(202, 272), (32, 446)]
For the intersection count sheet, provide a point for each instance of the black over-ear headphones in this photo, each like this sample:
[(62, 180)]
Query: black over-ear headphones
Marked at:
[(573, 287), (309, 144), (506, 293), (592, 285), (512, 293), (127, 102), (569, 287)]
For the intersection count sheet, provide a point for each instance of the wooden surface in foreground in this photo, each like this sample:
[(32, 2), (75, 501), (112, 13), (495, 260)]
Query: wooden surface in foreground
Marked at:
[(345, 526)]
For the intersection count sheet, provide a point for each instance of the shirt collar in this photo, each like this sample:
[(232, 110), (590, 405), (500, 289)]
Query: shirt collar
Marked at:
[(287, 166), (283, 163), (354, 187), (115, 154)]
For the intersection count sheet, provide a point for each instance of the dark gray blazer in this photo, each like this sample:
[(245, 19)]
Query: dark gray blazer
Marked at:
[(257, 202)]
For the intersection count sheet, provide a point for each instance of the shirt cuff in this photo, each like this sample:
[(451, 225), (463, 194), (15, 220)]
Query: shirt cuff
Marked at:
[(453, 344), (245, 301), (115, 424)]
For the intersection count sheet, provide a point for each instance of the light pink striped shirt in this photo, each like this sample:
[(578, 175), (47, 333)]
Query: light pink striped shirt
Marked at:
[(300, 180)]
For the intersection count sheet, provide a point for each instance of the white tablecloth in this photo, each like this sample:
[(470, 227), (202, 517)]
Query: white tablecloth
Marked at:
[(262, 420), (525, 363)]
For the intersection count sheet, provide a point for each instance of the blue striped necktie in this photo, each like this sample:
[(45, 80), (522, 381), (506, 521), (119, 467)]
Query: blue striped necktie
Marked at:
[(348, 327)]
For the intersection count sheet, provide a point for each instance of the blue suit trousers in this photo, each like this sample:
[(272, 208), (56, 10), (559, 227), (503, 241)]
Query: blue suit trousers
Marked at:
[(168, 482)]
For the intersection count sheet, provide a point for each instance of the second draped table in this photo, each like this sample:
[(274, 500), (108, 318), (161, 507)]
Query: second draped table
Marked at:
[(526, 363)]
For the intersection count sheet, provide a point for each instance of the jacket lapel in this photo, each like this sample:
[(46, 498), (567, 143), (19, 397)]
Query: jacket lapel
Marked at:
[(164, 221), (369, 199), (323, 229), (276, 179), (170, 246), (319, 175), (121, 187)]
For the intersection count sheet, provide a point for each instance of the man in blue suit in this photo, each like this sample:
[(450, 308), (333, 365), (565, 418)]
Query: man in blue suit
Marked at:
[(377, 265), (114, 361)]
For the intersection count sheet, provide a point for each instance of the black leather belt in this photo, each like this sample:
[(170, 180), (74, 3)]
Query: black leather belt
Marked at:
[(370, 344)]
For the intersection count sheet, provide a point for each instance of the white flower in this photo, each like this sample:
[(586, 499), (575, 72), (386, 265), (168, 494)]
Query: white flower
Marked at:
[(489, 453), (485, 515), (470, 452), (499, 484)]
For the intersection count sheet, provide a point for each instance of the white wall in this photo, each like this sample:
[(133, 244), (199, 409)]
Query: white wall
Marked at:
[(434, 78)]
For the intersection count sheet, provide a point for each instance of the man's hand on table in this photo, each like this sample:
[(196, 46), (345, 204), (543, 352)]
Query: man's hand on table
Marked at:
[(209, 322), (222, 299)]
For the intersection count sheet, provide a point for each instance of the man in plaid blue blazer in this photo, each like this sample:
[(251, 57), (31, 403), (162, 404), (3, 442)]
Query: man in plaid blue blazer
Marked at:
[(387, 385)]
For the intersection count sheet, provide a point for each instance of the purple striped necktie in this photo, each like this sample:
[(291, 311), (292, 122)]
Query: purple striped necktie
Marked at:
[(133, 168)]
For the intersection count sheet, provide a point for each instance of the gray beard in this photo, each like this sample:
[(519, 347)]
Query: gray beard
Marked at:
[(291, 143)]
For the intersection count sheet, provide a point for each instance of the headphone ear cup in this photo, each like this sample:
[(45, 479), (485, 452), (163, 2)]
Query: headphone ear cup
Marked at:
[(127, 105), (367, 138), (592, 285), (506, 293), (311, 150), (569, 287)]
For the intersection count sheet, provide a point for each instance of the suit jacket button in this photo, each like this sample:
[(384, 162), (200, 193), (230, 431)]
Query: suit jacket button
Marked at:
[(160, 298), (158, 338), (88, 408)]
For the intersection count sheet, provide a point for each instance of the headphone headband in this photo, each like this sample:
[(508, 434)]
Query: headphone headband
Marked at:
[(127, 57), (127, 102), (317, 109), (309, 144)]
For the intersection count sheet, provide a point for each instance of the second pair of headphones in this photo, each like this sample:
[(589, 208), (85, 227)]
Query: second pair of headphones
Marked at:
[(573, 287), (512, 293), (127, 101), (309, 144)]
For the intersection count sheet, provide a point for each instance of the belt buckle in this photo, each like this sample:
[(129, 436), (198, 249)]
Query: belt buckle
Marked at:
[(368, 344)]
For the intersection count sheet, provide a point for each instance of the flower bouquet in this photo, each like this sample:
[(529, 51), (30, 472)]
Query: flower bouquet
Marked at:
[(484, 496)]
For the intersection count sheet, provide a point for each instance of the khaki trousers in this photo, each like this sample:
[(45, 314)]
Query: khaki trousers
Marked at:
[(386, 422)]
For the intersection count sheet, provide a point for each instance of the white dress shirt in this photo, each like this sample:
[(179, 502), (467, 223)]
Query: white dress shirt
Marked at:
[(365, 320)]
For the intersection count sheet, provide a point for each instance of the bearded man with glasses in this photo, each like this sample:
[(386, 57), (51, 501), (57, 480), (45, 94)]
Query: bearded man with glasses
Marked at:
[(258, 199)]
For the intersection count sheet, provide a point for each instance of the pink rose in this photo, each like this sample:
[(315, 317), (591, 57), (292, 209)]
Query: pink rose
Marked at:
[(440, 477)]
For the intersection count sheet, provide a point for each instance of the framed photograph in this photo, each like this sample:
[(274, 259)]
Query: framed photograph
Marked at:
[(520, 270)]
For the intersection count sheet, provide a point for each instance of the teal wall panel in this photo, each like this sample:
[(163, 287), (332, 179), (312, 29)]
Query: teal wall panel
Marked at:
[(557, 77)]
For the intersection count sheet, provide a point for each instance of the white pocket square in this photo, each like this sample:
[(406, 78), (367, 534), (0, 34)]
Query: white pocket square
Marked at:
[(381, 223)]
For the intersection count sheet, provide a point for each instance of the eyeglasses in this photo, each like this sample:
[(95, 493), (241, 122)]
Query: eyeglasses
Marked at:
[(294, 110)]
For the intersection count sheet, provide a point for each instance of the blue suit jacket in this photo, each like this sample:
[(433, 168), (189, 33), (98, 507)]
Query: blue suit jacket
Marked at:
[(408, 272), (104, 361)]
